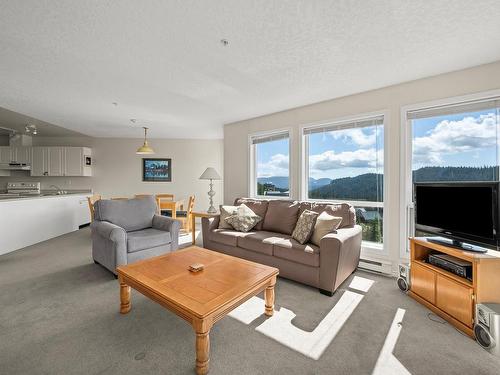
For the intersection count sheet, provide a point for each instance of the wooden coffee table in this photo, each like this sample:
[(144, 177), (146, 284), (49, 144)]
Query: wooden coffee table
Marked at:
[(200, 298)]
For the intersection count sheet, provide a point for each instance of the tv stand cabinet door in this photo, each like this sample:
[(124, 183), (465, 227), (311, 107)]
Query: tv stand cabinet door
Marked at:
[(455, 299), (423, 282)]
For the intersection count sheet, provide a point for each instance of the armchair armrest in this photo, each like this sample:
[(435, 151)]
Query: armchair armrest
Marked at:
[(109, 231), (109, 244), (165, 223), (168, 224), (339, 257)]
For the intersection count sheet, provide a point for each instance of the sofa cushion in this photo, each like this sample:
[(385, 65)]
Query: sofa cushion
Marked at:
[(261, 241), (281, 216), (325, 224), (256, 205), (244, 219), (227, 236), (146, 239), (343, 210), (305, 226), (293, 251), (129, 214), (225, 212)]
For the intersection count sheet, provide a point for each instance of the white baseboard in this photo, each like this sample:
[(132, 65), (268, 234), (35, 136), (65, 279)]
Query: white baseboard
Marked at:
[(382, 267)]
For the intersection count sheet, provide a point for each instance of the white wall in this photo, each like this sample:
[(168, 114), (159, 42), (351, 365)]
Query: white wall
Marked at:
[(390, 99), (117, 170)]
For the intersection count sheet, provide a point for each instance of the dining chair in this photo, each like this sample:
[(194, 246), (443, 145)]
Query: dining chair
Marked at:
[(165, 196), (184, 216), (165, 202), (92, 199)]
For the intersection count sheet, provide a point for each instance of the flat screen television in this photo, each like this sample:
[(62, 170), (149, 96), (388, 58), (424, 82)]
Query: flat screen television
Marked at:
[(464, 213)]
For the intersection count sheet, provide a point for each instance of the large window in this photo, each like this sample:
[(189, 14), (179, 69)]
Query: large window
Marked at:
[(345, 162), (271, 165), (453, 143)]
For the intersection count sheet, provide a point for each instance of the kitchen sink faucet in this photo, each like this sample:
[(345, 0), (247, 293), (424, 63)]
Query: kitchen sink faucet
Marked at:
[(59, 190)]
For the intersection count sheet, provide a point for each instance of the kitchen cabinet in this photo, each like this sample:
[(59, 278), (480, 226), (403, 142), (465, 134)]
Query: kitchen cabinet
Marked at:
[(76, 161), (27, 221), (56, 161), (5, 154), (21, 154), (40, 164), (61, 161), (82, 211)]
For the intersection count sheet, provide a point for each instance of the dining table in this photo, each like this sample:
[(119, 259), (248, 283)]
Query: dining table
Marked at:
[(172, 205)]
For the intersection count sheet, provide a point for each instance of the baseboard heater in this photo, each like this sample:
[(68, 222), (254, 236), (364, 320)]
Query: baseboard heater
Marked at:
[(375, 266)]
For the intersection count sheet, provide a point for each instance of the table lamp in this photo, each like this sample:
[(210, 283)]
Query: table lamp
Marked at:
[(211, 174)]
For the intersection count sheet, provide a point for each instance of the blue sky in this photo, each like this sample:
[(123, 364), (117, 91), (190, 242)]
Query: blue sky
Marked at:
[(346, 153), (457, 140), (272, 158)]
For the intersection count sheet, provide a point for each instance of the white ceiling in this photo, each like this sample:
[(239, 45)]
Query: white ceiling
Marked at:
[(163, 63), (17, 122)]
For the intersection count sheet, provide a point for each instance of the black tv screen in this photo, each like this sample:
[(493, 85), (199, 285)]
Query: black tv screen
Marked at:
[(465, 211)]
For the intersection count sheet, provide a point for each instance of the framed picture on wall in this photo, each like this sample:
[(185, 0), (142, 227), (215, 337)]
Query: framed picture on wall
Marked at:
[(157, 170)]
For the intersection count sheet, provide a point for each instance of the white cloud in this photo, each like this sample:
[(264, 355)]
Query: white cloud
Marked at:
[(362, 158), (356, 136), (452, 137), (276, 166)]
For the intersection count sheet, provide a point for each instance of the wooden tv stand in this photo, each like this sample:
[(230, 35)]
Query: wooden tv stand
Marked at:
[(450, 296)]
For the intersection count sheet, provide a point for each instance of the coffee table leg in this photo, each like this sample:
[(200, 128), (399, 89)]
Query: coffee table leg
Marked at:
[(269, 297), (124, 298), (202, 352)]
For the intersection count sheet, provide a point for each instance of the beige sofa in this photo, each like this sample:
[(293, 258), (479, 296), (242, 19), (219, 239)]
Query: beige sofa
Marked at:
[(270, 242)]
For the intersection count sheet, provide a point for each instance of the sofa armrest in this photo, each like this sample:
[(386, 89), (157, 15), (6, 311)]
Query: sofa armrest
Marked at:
[(208, 224), (168, 224), (339, 256), (109, 231)]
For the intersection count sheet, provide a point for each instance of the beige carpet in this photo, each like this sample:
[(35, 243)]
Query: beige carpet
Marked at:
[(59, 315)]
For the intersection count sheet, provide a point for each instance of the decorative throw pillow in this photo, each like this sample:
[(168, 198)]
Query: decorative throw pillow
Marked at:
[(305, 226), (324, 224), (226, 211), (244, 219)]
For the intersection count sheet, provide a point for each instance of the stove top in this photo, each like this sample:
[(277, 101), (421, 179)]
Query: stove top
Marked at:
[(23, 188)]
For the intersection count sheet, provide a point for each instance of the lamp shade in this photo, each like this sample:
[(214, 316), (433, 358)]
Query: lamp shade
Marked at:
[(210, 174), (145, 149)]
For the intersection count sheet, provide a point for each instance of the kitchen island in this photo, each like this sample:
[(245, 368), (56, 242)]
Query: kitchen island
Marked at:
[(25, 221)]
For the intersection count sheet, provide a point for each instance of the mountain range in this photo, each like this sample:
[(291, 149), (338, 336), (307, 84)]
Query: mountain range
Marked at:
[(369, 186), (282, 182)]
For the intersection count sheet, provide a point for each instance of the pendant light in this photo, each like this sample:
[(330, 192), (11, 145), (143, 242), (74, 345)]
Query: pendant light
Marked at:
[(145, 149)]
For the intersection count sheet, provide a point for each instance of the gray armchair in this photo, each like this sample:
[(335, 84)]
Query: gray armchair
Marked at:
[(125, 231)]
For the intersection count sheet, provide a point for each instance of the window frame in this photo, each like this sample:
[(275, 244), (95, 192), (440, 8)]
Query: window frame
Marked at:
[(252, 163), (369, 249), (406, 212)]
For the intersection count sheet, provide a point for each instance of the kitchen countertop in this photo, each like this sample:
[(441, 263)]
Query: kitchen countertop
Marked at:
[(45, 195)]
